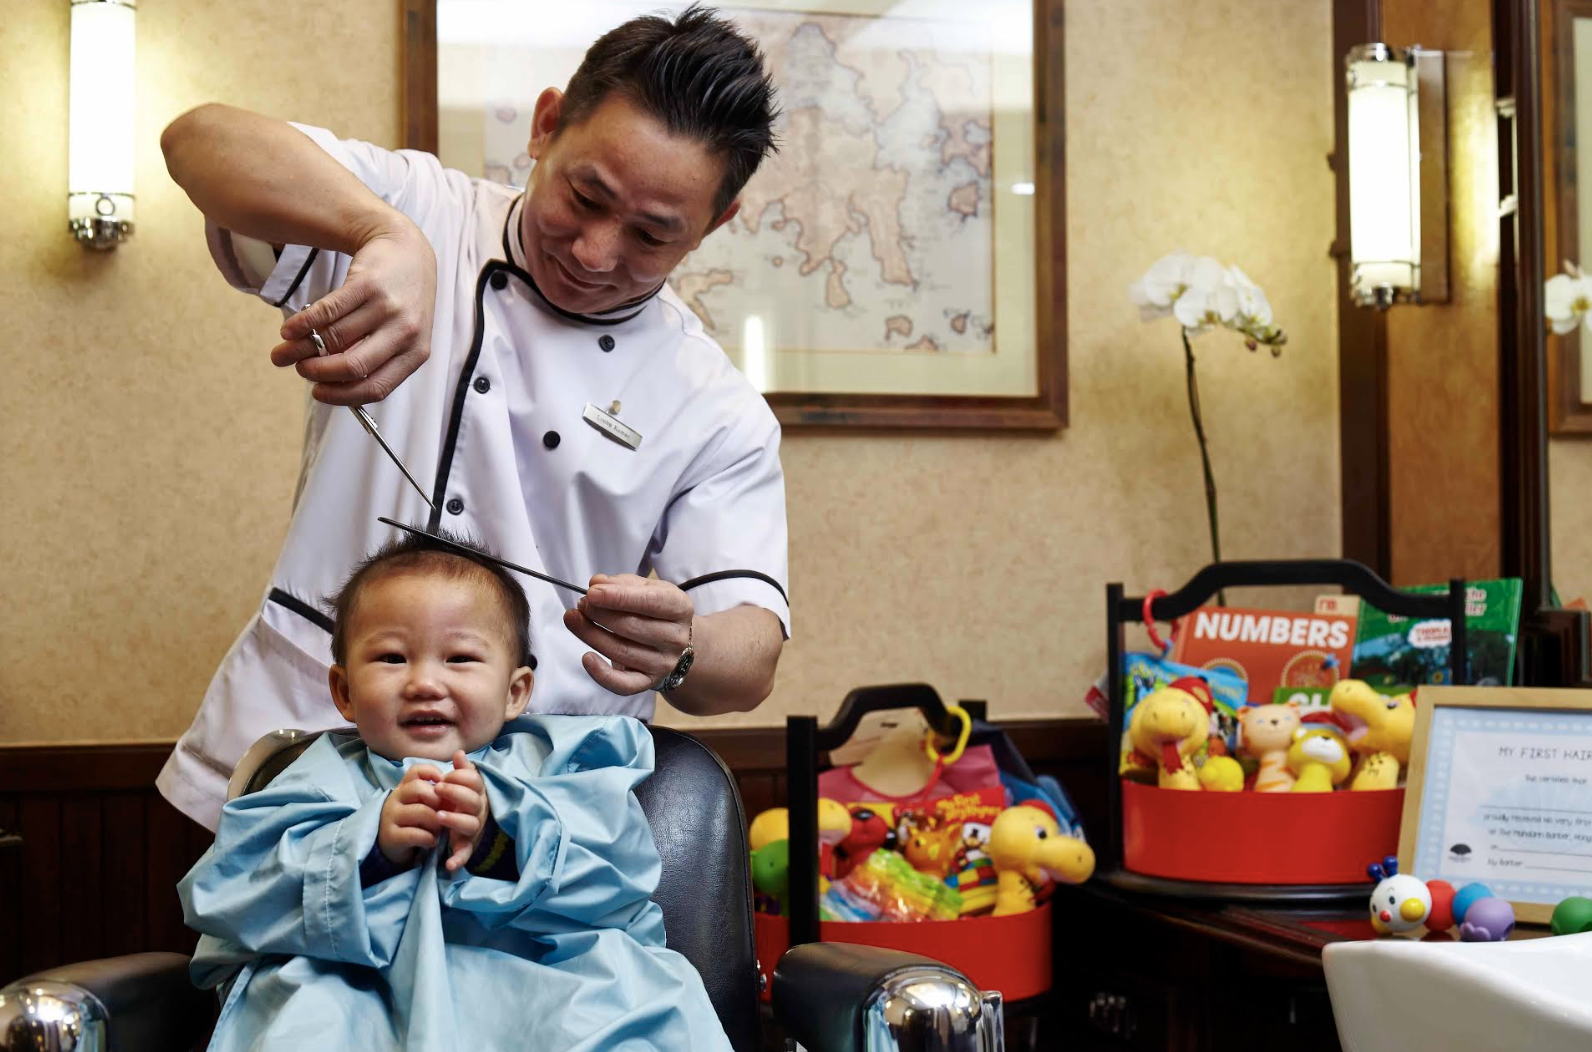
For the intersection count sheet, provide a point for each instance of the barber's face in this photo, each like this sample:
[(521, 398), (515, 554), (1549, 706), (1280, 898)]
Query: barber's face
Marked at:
[(614, 203)]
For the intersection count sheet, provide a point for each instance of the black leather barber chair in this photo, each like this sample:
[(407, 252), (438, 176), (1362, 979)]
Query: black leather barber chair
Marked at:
[(829, 997)]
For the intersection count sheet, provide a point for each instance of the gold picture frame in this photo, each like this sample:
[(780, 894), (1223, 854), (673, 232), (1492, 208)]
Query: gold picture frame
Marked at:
[(1515, 718), (878, 379)]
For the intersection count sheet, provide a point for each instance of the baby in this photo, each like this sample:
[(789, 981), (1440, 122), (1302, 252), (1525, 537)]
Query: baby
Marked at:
[(457, 875)]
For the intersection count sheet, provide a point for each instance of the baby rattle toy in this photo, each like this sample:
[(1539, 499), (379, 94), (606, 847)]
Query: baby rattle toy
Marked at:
[(1400, 902)]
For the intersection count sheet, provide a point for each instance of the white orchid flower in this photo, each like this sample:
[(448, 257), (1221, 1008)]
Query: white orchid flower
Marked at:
[(1254, 319), (1165, 281), (1203, 295), (1567, 302), (1209, 301), (1254, 310)]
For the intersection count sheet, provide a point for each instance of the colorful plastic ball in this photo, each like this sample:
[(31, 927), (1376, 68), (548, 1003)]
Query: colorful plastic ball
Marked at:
[(1442, 916), (1488, 919), (1467, 895), (1572, 916)]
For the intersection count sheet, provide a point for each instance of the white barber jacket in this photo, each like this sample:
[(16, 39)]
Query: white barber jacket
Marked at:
[(492, 425)]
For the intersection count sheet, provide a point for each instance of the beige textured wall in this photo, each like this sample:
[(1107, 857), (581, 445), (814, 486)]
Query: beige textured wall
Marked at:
[(157, 450)]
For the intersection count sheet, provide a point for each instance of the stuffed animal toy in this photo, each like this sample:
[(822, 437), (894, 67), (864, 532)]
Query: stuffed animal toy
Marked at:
[(1268, 732), (1378, 728), (1319, 758), (1170, 725), (1029, 851)]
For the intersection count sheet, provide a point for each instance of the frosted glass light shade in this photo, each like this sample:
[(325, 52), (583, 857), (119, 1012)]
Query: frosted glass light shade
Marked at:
[(1384, 175), (100, 161)]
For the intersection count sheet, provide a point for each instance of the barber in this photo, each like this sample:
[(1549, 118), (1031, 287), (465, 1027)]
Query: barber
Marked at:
[(482, 327)]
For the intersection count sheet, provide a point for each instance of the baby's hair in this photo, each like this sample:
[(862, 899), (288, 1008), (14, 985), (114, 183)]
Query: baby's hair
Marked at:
[(416, 553)]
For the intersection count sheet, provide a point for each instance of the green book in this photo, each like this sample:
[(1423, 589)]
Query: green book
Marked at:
[(1391, 650)]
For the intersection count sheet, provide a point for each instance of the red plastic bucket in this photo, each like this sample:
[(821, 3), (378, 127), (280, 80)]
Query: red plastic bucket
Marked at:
[(1009, 954), (1258, 838)]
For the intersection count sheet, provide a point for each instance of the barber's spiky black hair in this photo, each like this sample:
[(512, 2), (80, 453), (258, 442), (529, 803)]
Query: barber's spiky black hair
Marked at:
[(416, 553), (698, 75)]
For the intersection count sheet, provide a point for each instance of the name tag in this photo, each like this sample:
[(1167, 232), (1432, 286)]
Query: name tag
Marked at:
[(611, 426)]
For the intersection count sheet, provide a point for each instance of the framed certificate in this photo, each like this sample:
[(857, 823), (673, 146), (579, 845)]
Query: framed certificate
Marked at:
[(899, 262), (1500, 791)]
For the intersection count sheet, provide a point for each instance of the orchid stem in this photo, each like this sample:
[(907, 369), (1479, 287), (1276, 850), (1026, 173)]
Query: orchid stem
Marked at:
[(1205, 460)]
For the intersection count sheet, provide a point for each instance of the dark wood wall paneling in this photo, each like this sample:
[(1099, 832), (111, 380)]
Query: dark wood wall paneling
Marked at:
[(102, 852), (1362, 337)]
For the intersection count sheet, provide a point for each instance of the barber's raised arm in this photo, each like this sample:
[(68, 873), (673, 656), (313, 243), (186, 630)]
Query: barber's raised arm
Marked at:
[(263, 178)]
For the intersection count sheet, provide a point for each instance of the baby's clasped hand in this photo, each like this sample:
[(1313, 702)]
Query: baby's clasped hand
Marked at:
[(463, 809), (426, 803)]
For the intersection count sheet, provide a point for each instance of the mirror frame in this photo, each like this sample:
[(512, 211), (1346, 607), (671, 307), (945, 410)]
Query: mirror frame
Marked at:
[(1568, 411)]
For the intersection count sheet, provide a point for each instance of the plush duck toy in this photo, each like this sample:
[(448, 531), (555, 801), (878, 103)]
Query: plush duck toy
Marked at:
[(1169, 726), (1319, 757), (1029, 851), (1379, 729)]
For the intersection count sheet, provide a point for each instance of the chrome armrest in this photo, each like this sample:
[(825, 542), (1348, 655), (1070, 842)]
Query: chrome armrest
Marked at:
[(144, 1002), (835, 997)]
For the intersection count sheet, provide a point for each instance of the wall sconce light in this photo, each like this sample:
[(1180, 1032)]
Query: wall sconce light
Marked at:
[(1398, 175), (100, 166)]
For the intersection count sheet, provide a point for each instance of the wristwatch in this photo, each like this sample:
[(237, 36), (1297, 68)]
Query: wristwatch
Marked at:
[(681, 667)]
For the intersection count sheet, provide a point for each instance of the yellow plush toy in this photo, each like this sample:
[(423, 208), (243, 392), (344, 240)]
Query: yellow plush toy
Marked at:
[(1028, 850), (1222, 774), (1319, 758), (834, 825), (1169, 726), (1379, 729), (767, 827)]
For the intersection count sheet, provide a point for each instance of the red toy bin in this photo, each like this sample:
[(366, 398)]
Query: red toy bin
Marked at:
[(1010, 954), (1258, 838)]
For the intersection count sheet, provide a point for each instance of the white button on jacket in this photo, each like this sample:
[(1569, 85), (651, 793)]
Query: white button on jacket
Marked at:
[(492, 425)]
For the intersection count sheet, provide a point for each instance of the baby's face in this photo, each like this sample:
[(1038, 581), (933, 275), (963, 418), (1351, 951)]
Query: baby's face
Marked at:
[(430, 668)]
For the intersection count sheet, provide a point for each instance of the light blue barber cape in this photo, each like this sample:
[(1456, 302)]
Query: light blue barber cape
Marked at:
[(570, 958)]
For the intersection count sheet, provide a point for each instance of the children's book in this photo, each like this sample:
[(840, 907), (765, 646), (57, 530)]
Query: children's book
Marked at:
[(1392, 649), (1268, 648), (1338, 604)]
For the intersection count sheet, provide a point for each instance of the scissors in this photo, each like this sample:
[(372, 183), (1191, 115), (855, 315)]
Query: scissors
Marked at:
[(370, 428)]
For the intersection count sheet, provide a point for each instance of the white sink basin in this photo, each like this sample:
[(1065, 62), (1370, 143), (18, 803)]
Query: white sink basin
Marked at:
[(1531, 995)]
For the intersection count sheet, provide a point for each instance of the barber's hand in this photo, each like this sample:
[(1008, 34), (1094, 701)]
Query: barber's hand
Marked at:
[(376, 326), (463, 810), (641, 626), (409, 820)]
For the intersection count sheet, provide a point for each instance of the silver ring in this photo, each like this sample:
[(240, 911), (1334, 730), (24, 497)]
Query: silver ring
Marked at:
[(320, 344)]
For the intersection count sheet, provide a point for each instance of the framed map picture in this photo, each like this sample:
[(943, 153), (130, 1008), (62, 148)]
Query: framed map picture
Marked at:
[(899, 262)]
